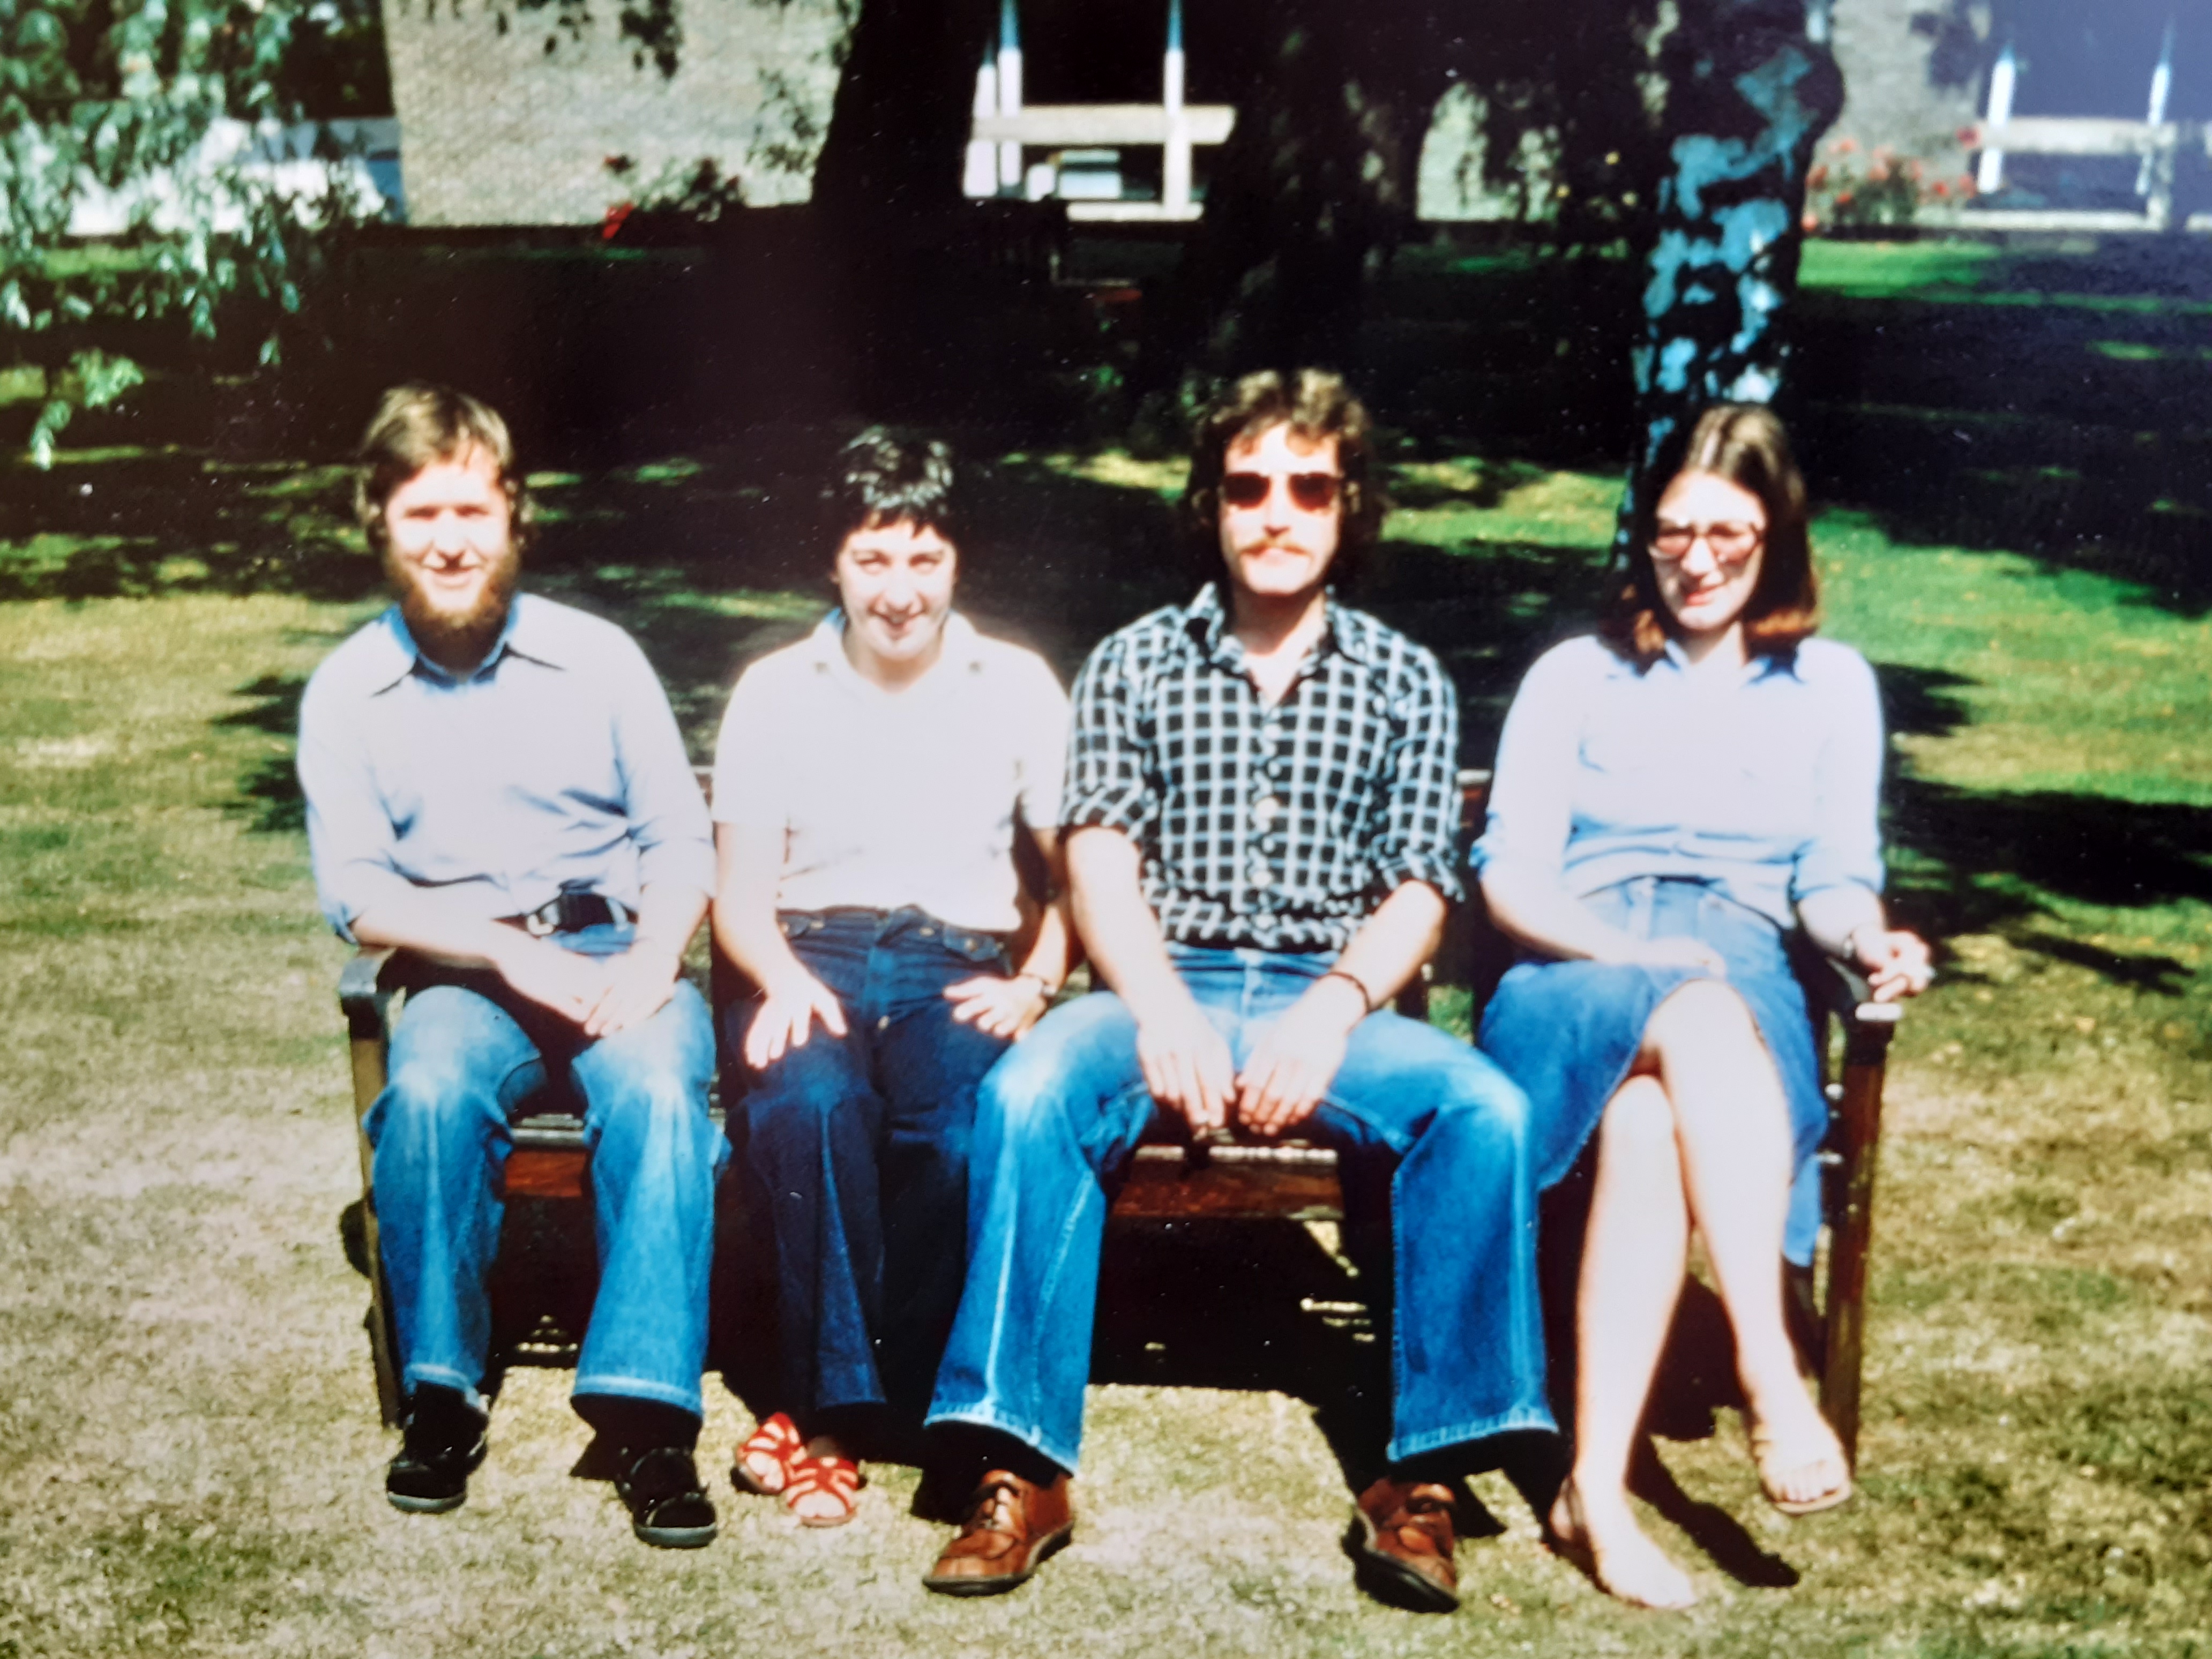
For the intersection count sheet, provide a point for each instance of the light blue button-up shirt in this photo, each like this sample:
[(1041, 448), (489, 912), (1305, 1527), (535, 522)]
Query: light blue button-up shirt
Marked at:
[(557, 764), (1764, 783)]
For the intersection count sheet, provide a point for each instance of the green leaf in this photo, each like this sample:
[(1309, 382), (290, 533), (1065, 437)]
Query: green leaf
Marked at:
[(52, 417), (104, 378)]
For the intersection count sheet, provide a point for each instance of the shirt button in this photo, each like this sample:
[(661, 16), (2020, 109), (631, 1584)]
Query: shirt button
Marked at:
[(884, 1024), (1266, 809), (1262, 877)]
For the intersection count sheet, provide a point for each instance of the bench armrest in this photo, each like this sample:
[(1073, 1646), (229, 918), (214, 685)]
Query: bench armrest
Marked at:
[(1843, 992), (363, 995)]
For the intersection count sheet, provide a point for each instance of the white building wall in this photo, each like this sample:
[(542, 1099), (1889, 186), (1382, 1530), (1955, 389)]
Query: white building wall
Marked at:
[(516, 128)]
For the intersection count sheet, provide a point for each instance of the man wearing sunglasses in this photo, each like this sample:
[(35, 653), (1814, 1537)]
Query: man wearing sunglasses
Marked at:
[(1260, 823)]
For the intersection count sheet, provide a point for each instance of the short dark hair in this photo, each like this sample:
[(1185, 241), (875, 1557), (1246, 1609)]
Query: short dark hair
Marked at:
[(418, 425), (880, 478), (1314, 403), (1747, 444)]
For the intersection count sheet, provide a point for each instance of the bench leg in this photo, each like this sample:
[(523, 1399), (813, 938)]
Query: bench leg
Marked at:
[(369, 1074), (1849, 1244)]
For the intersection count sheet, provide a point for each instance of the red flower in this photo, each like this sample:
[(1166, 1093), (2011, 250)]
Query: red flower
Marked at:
[(1817, 177), (1811, 221), (1939, 190), (1843, 197), (617, 217), (1843, 147), (1970, 137), (1878, 172)]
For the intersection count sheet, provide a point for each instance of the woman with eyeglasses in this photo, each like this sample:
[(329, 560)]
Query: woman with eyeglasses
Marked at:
[(1675, 797)]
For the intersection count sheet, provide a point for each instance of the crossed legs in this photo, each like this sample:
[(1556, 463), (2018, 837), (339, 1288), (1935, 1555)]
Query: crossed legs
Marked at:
[(1697, 1135)]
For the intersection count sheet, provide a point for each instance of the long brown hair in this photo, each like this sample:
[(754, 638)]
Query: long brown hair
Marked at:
[(1747, 444)]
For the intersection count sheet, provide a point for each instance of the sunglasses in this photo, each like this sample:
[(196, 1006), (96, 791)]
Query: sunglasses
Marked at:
[(1731, 543), (1310, 492)]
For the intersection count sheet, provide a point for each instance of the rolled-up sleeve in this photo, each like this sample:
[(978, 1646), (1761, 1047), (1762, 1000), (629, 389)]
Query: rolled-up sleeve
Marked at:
[(1108, 749), (667, 815), (1532, 783), (1419, 828), (1845, 849), (350, 836)]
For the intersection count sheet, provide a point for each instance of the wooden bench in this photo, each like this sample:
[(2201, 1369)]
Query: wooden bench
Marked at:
[(1226, 1177)]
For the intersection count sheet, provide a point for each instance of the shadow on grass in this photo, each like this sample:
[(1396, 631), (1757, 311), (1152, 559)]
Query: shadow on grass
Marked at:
[(1990, 857), (269, 789)]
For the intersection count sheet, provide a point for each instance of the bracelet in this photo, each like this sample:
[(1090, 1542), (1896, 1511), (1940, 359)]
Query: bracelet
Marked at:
[(1366, 997)]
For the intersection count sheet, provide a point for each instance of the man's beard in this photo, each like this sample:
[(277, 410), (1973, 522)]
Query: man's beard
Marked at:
[(456, 640)]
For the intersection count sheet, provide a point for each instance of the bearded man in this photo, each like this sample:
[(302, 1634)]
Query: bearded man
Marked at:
[(497, 785)]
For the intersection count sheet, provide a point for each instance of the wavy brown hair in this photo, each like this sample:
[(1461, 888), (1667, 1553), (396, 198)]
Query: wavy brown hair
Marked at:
[(1314, 403), (1747, 444), (418, 425)]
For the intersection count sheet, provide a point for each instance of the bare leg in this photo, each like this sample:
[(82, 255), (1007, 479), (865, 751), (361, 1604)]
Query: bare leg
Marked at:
[(1732, 1124), (1633, 1258)]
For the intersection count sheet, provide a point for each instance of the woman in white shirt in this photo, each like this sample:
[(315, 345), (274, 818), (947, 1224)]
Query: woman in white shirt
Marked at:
[(867, 784), (1675, 797)]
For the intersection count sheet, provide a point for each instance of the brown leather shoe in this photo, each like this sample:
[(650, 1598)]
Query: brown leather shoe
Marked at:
[(1401, 1544), (1012, 1524)]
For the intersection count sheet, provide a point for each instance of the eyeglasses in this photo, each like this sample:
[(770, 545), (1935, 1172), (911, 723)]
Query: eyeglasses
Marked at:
[(1731, 543), (1310, 492)]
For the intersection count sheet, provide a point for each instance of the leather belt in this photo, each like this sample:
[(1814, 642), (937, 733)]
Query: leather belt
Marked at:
[(569, 913)]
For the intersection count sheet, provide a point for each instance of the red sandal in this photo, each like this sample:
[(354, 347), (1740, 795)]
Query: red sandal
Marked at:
[(837, 1479), (775, 1442)]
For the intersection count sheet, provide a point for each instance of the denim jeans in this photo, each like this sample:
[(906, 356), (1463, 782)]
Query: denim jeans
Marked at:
[(855, 1158), (468, 1054), (1569, 1033), (1063, 1113)]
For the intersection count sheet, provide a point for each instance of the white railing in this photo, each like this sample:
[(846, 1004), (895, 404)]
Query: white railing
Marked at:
[(1079, 126), (2159, 143)]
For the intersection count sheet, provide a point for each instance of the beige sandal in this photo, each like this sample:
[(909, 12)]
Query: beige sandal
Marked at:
[(1767, 1454)]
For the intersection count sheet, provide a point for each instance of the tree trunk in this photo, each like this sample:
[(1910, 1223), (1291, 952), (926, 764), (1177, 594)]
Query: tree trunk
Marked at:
[(899, 125), (1313, 188), (893, 229), (1749, 94)]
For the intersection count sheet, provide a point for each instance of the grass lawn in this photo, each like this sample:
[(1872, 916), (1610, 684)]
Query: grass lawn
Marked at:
[(188, 1436)]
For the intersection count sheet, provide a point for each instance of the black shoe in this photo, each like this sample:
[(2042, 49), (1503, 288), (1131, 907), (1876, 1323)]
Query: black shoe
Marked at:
[(440, 1446), (668, 1507)]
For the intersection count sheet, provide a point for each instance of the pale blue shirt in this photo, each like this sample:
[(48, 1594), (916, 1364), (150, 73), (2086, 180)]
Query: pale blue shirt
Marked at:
[(557, 764), (1763, 783)]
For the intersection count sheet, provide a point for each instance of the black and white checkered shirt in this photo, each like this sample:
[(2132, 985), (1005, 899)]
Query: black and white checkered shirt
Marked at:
[(1280, 828)]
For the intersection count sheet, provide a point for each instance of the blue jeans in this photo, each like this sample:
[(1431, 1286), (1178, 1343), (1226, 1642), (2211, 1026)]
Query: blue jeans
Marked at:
[(855, 1156), (467, 1056), (1569, 1033), (1062, 1115)]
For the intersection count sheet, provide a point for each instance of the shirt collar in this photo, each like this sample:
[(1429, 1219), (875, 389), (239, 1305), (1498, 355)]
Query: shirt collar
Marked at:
[(826, 644), (527, 632), (1759, 668), (1207, 622)]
